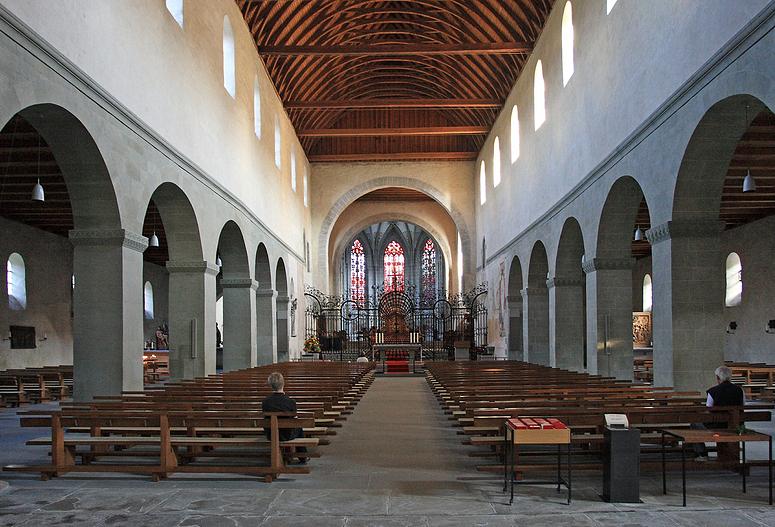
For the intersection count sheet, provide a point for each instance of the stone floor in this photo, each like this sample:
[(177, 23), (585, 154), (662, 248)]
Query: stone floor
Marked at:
[(396, 462)]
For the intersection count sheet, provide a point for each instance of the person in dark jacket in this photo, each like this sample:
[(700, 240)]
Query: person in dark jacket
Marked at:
[(279, 402), (724, 393)]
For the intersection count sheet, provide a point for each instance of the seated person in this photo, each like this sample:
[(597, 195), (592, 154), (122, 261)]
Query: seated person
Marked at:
[(279, 402), (362, 358), (724, 393)]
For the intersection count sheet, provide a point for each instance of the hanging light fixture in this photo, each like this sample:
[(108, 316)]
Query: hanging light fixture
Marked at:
[(749, 183), (37, 190), (218, 260), (153, 241), (638, 236)]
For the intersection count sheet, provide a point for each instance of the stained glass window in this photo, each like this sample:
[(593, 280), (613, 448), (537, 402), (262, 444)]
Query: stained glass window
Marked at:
[(357, 273), (428, 273), (394, 267)]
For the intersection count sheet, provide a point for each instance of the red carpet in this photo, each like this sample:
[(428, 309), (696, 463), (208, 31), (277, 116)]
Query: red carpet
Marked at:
[(396, 366)]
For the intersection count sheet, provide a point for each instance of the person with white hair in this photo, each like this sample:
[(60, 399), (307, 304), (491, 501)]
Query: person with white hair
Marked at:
[(278, 401), (724, 393)]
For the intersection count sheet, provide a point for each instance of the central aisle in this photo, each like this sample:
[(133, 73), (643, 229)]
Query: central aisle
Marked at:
[(396, 438)]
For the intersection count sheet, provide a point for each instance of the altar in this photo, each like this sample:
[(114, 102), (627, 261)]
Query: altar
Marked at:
[(396, 357)]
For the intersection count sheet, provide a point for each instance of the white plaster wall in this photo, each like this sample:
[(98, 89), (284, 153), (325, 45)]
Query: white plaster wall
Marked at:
[(171, 78), (337, 185), (49, 268), (755, 243), (159, 279), (627, 63)]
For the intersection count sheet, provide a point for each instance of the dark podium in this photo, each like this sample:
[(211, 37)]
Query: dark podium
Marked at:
[(621, 465)]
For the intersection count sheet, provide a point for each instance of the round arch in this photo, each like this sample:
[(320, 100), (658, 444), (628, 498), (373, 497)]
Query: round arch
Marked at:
[(515, 286), (281, 319), (567, 300), (354, 193), (537, 306)]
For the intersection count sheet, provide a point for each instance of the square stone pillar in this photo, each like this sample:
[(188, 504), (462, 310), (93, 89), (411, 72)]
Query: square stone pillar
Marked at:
[(516, 344), (609, 316), (266, 338), (239, 309), (107, 312), (535, 320), (688, 293), (566, 323), (191, 318), (283, 353)]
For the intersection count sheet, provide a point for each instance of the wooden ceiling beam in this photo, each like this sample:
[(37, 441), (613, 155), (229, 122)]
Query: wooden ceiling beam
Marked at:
[(339, 104), (371, 50), (392, 132), (398, 156)]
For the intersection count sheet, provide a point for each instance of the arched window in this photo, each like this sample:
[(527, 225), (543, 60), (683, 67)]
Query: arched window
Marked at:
[(175, 7), (256, 108), (609, 5), (648, 296), (357, 273), (428, 278), (482, 185), (229, 68), (539, 96), (306, 188), (567, 43), (394, 267), (514, 134), (148, 301), (293, 169), (734, 294), (277, 143), (496, 162), (16, 276)]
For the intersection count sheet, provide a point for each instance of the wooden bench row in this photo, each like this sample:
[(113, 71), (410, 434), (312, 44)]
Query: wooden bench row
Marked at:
[(34, 385), (208, 425)]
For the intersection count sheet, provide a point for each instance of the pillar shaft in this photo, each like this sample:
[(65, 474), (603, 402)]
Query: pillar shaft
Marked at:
[(566, 323), (282, 328), (191, 318), (266, 338), (535, 303), (108, 312), (688, 294), (239, 314), (609, 316)]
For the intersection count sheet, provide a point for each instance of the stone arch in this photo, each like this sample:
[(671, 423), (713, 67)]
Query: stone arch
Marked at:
[(107, 260), (191, 286), (567, 294), (688, 279), (536, 301), (239, 300), (266, 344), (516, 281), (281, 318), (354, 193)]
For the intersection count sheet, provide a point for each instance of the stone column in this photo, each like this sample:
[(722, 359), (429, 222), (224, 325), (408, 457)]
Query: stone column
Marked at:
[(108, 312), (688, 292), (239, 314), (609, 316), (191, 318), (566, 323), (516, 345), (266, 338), (535, 320), (282, 328)]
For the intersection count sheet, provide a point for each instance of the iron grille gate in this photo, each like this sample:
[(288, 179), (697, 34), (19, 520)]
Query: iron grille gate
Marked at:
[(346, 328)]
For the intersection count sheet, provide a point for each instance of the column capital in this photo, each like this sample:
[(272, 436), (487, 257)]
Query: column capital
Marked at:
[(239, 283), (564, 282), (268, 293), (282, 298), (592, 265), (526, 292), (192, 266), (684, 229), (108, 237)]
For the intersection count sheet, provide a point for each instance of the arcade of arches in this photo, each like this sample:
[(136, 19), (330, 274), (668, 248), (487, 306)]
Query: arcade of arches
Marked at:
[(209, 162)]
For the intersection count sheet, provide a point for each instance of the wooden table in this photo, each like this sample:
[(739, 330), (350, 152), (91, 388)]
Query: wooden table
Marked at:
[(513, 438), (686, 437)]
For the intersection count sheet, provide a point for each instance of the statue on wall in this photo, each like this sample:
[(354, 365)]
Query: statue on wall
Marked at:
[(162, 338)]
